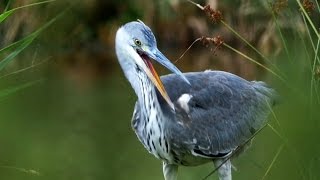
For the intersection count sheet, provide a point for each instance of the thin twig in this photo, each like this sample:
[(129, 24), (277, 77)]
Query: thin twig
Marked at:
[(187, 49), (198, 5)]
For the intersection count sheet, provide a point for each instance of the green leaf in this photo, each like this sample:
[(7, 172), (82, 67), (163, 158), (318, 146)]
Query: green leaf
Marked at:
[(15, 48), (22, 44), (8, 91), (6, 14)]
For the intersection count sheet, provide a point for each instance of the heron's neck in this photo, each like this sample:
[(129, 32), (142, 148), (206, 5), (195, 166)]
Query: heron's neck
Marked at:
[(147, 95), (142, 85), (151, 124)]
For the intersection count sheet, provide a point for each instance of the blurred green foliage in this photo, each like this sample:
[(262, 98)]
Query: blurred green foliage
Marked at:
[(76, 124)]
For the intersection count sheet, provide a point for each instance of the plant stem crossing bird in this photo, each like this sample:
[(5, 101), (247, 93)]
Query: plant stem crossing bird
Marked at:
[(190, 118)]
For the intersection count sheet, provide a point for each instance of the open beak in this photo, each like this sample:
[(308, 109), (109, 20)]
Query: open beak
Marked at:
[(153, 75)]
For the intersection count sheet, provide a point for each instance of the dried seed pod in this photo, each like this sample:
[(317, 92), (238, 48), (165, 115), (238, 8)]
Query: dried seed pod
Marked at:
[(279, 5), (308, 6), (214, 16)]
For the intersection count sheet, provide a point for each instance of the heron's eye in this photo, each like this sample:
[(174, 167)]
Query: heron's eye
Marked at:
[(137, 42)]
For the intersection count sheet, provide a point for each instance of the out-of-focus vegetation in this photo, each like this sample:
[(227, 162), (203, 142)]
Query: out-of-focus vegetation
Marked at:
[(76, 123)]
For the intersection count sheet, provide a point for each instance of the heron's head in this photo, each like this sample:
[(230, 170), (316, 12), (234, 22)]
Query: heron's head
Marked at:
[(136, 47)]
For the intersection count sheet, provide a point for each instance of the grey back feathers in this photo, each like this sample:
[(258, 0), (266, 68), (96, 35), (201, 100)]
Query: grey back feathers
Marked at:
[(224, 112)]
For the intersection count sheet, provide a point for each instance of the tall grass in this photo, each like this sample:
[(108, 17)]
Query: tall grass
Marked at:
[(10, 52)]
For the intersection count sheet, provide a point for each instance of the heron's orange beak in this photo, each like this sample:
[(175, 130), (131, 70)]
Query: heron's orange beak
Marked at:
[(156, 80), (148, 54)]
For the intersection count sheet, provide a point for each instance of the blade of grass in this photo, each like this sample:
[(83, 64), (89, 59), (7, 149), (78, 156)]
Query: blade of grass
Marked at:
[(241, 38), (277, 133), (7, 6), (254, 61), (248, 43), (25, 69), (292, 149), (8, 91), (304, 43), (273, 161), (310, 37), (23, 43), (313, 81), (278, 123), (313, 63), (273, 114), (7, 13), (280, 32), (313, 84), (308, 18), (318, 6)]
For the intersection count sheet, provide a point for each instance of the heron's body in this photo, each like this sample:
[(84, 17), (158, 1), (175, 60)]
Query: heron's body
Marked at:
[(205, 116), (214, 116)]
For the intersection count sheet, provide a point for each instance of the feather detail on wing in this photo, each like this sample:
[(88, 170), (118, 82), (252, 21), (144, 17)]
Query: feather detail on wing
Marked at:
[(216, 114)]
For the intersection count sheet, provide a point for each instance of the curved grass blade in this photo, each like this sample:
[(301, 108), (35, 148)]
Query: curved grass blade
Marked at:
[(272, 162), (7, 6), (6, 14), (15, 48), (8, 91), (254, 61), (304, 12)]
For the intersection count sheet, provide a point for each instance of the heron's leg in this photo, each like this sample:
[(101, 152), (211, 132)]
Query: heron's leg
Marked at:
[(224, 171), (170, 171)]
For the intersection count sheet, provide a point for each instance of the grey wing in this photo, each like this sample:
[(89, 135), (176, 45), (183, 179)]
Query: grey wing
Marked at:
[(216, 114)]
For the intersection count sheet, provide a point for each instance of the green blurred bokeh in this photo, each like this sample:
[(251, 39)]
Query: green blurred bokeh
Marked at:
[(76, 123)]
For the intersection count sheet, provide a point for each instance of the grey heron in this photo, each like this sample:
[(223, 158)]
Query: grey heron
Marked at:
[(190, 118)]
